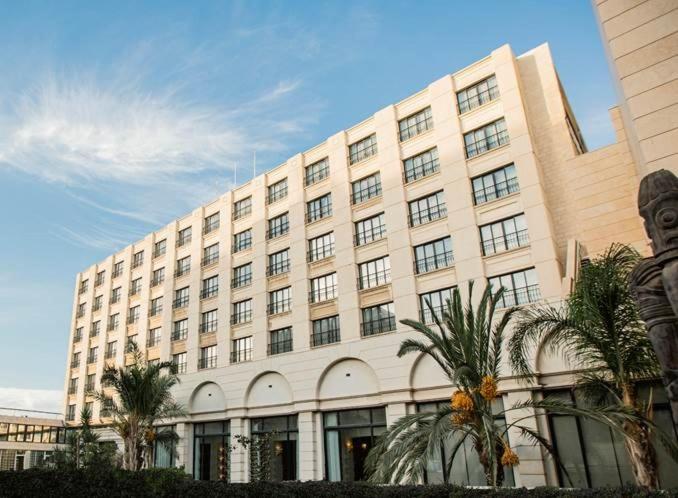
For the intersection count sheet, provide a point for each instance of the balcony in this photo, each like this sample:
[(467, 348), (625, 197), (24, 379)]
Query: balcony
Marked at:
[(208, 362), (373, 327), (317, 174), (208, 327), (180, 302), (96, 307), (157, 281), (279, 306), (94, 332), (318, 214), (496, 191), (320, 252), (427, 215), (277, 195), (366, 193), (134, 291), (426, 315), (209, 292), (159, 252), (486, 144), (114, 299), (278, 231), (182, 271), (374, 279), (278, 268), (519, 296), (210, 260), (155, 311), (372, 234), (179, 335), (182, 241), (210, 227), (241, 317), (117, 273), (91, 359), (132, 319), (242, 212), (180, 368), (152, 341), (241, 281), (325, 337), (137, 263), (278, 347), (480, 98), (80, 314), (505, 243), (72, 389), (241, 355), (77, 337), (435, 262), (75, 364), (109, 354), (324, 294)]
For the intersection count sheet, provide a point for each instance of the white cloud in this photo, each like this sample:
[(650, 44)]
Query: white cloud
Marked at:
[(31, 399)]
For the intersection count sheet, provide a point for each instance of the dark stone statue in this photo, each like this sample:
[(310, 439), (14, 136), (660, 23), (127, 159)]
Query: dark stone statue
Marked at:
[(654, 282)]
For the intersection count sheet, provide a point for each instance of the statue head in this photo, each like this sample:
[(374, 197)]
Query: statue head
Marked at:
[(658, 205)]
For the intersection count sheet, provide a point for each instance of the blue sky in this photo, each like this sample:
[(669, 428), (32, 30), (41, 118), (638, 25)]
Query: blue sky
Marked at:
[(117, 117)]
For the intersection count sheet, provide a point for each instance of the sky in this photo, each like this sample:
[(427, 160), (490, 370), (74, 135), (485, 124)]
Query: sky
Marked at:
[(118, 117)]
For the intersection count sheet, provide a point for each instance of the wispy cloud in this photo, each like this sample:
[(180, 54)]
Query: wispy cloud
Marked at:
[(31, 399)]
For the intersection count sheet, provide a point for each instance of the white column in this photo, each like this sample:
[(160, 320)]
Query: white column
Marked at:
[(308, 459), (530, 472), (239, 460)]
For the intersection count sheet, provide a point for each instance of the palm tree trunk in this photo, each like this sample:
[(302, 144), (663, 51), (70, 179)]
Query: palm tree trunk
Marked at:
[(639, 447)]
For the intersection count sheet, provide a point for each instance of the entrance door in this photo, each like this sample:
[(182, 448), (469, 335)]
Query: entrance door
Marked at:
[(289, 460), (205, 461), (19, 462), (361, 447)]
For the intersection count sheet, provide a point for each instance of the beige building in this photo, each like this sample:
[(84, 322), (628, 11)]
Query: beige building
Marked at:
[(28, 437), (279, 301)]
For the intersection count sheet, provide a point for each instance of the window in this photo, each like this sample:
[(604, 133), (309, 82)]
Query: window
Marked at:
[(133, 314), (154, 337), (370, 229), (100, 278), (495, 185), (210, 254), (366, 188), (484, 139), (242, 240), (316, 172), (362, 149), (325, 331), (433, 255), (504, 235), (415, 124), (184, 236), (83, 286), (92, 354), (117, 268), (208, 322), (160, 248), (323, 288), (319, 208), (77, 337), (211, 223), (208, 440), (284, 436), (278, 226), (96, 328), (180, 298), (179, 361), (520, 287), (278, 263), (116, 294), (321, 247), (131, 339), (241, 350), (210, 287), (349, 436), (106, 407), (427, 209), (180, 330), (136, 287), (242, 312), (98, 302), (75, 360), (280, 341), (156, 306), (208, 357), (81, 310), (242, 276), (70, 413), (158, 277), (242, 208), (277, 191), (90, 382), (421, 165), (113, 321), (374, 273), (280, 301), (378, 319), (111, 349), (434, 304), (138, 259), (478, 94), (183, 267), (73, 385)]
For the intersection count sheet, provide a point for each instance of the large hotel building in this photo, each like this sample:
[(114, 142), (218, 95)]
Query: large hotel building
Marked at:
[(279, 302)]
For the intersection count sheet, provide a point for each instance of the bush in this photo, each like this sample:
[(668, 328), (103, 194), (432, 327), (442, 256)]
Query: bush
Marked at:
[(166, 483)]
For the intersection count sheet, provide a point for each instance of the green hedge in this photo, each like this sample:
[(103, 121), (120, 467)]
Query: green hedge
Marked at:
[(174, 483)]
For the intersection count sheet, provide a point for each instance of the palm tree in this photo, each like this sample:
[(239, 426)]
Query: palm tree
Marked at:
[(83, 447), (142, 398), (599, 330)]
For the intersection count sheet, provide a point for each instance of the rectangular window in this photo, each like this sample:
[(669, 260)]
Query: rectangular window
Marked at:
[(75, 360), (133, 314), (242, 208), (374, 273), (77, 337), (242, 276), (100, 278), (111, 349), (366, 188), (433, 255), (321, 247), (278, 263), (210, 255), (81, 310), (72, 386), (118, 268), (180, 298), (280, 225), (135, 287), (478, 94), (277, 191), (210, 287), (434, 304), (211, 223), (504, 235), (370, 230), (156, 306), (241, 350), (495, 184), (242, 312), (378, 319), (427, 209), (208, 322), (83, 286), (184, 236), (280, 341), (138, 259), (179, 361), (362, 149), (160, 248), (242, 240), (208, 357), (415, 124), (316, 172), (154, 337), (113, 321), (486, 138), (96, 328), (421, 165), (158, 277), (70, 413), (131, 339), (323, 288), (325, 331), (183, 267), (280, 301), (98, 302), (180, 330), (319, 208), (92, 355), (520, 287)]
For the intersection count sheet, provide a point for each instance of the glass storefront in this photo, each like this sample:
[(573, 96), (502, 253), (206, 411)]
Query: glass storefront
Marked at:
[(211, 442), (164, 454), (349, 436), (284, 451)]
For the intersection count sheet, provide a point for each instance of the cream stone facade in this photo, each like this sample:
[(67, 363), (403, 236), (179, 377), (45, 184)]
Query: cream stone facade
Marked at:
[(28, 438), (571, 202)]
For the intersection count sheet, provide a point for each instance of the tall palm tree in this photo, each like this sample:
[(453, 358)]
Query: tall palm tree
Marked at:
[(599, 331), (142, 398)]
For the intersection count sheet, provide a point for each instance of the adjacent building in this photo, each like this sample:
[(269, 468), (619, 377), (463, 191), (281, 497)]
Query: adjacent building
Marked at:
[(28, 438), (279, 302)]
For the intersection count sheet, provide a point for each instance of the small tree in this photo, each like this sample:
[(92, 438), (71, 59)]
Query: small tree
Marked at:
[(83, 448)]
